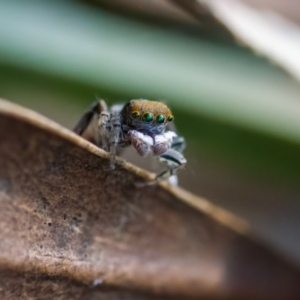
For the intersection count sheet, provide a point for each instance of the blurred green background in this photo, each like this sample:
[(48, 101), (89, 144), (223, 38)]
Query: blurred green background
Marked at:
[(239, 113)]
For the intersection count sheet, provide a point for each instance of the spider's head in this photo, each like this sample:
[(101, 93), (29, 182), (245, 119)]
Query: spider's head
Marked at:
[(146, 116)]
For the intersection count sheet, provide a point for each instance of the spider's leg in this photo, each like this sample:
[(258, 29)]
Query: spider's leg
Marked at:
[(175, 161), (85, 120), (87, 125), (104, 126), (115, 136), (172, 156), (178, 143)]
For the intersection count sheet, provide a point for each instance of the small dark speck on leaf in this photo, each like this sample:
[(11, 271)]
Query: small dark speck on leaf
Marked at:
[(49, 224)]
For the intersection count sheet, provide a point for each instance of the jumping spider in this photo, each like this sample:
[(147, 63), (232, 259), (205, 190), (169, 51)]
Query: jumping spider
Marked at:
[(147, 125)]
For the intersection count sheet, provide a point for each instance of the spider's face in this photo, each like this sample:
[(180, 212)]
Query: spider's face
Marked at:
[(146, 116)]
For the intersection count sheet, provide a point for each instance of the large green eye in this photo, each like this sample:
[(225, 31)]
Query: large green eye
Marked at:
[(170, 118), (147, 118), (136, 114), (160, 119)]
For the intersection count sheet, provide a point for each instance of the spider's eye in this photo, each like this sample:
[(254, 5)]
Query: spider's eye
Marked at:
[(136, 114), (147, 118), (170, 118), (160, 119)]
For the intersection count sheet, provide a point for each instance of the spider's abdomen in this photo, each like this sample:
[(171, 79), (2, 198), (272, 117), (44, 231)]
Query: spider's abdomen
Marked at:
[(149, 117)]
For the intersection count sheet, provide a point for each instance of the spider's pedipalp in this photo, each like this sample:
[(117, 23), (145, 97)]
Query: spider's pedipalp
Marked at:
[(141, 142), (162, 142)]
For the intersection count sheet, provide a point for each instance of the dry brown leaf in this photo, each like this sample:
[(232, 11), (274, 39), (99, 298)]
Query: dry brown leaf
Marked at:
[(72, 229)]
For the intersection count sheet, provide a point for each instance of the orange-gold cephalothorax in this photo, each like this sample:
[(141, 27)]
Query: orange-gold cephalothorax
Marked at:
[(153, 107)]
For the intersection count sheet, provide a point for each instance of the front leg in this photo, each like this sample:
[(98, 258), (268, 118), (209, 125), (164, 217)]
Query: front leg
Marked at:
[(175, 161), (178, 144), (173, 158)]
